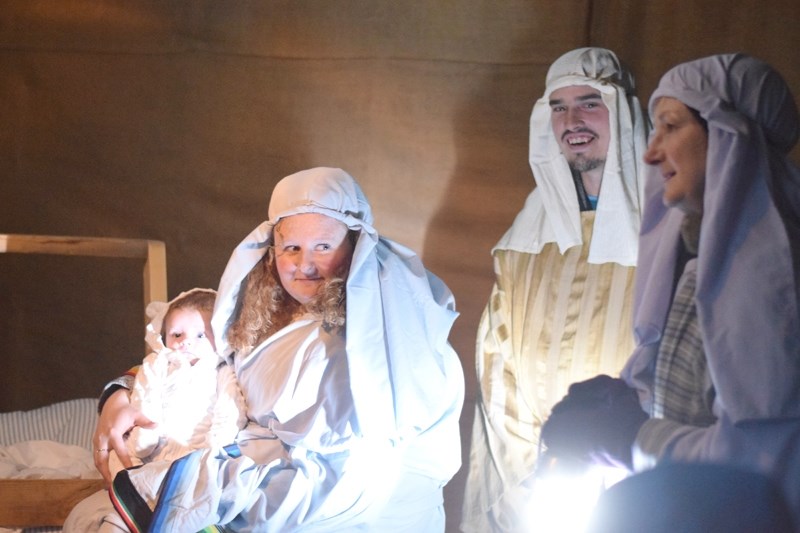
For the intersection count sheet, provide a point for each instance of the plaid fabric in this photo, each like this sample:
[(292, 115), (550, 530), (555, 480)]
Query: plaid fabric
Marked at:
[(683, 389)]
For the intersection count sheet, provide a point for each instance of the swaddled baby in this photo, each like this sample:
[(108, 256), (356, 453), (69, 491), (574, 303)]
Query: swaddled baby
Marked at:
[(183, 386)]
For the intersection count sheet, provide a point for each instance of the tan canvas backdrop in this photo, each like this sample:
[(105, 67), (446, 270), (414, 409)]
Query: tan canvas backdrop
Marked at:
[(172, 120)]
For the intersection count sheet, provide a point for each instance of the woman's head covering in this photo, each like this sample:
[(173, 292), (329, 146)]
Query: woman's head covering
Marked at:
[(552, 213), (157, 312), (330, 192), (398, 318), (327, 191), (747, 290)]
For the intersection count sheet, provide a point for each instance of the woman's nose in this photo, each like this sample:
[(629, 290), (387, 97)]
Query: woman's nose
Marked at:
[(307, 265), (652, 154)]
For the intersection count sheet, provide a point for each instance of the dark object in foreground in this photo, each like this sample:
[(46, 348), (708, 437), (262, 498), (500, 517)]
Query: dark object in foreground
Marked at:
[(597, 421), (692, 498)]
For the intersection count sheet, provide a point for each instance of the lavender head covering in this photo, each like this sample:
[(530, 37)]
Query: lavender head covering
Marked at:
[(747, 290)]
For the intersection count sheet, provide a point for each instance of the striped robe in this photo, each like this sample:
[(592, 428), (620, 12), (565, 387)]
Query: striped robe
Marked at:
[(551, 320)]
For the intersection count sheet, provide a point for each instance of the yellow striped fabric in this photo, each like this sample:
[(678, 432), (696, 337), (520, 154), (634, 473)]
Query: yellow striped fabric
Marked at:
[(551, 320)]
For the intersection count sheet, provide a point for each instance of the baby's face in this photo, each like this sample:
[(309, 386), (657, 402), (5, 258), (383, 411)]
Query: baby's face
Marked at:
[(189, 330)]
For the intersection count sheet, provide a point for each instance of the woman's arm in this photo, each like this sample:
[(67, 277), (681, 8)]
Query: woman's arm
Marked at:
[(115, 419)]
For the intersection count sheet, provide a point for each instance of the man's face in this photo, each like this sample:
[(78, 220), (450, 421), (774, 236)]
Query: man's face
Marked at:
[(580, 123)]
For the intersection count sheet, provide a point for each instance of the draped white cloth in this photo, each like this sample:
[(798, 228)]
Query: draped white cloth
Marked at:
[(406, 379), (551, 212), (353, 431), (560, 309), (388, 394), (195, 405)]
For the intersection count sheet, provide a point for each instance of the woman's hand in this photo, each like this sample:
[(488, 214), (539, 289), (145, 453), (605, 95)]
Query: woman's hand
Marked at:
[(596, 422), (116, 419)]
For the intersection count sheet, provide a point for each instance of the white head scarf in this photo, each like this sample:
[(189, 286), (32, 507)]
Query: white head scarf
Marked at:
[(402, 368), (747, 290), (156, 312), (551, 212)]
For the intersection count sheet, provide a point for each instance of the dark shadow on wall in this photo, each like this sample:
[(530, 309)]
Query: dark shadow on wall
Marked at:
[(487, 188)]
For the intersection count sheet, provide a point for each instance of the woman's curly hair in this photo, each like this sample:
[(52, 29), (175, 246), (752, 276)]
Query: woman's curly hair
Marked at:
[(264, 307)]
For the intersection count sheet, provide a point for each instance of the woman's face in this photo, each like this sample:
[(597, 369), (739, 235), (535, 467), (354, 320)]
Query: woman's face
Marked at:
[(678, 147), (310, 249)]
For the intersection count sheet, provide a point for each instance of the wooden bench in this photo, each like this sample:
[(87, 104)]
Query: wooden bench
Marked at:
[(47, 502)]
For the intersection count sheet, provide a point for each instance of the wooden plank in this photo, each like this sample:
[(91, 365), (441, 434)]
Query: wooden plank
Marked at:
[(155, 273), (63, 245), (42, 502)]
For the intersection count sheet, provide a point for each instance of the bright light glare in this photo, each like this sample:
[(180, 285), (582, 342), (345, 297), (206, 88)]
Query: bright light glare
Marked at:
[(563, 502)]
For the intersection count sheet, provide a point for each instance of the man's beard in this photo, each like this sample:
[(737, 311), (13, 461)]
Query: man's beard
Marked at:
[(583, 164)]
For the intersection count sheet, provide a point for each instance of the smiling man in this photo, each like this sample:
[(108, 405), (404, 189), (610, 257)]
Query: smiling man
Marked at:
[(580, 124), (560, 310)]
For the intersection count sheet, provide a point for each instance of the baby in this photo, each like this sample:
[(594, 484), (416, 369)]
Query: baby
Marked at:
[(183, 386)]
